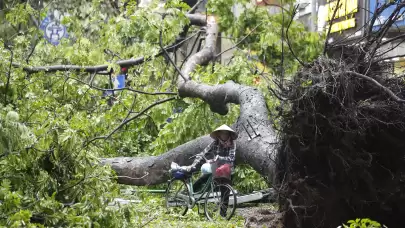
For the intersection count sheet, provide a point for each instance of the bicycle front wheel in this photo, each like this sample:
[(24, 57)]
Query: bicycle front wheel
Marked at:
[(177, 197), (220, 203)]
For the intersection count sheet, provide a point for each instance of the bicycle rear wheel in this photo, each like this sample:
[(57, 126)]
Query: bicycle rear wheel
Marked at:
[(177, 197), (220, 203)]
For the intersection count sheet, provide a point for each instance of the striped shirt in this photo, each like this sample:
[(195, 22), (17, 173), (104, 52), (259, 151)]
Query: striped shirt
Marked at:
[(225, 155)]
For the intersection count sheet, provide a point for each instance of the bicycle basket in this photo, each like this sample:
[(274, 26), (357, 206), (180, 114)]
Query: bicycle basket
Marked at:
[(221, 170)]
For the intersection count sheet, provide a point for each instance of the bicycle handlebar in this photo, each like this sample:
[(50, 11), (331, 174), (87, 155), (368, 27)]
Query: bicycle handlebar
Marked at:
[(201, 156)]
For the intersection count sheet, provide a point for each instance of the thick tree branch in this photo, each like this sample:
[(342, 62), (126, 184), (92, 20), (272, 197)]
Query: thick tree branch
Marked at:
[(207, 52), (156, 166)]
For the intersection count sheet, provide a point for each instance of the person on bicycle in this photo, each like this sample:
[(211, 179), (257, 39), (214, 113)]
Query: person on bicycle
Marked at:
[(224, 148)]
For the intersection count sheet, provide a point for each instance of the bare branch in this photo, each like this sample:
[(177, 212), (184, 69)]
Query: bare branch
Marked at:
[(125, 121), (288, 40), (276, 94), (109, 52), (167, 55), (341, 41), (381, 54), (131, 109), (389, 57), (377, 12), (385, 89), (194, 8), (9, 72), (239, 42), (191, 51), (381, 33), (389, 41), (92, 79), (338, 5), (390, 21)]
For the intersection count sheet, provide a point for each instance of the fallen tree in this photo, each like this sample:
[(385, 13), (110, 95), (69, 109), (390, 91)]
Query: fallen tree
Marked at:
[(341, 149), (258, 152)]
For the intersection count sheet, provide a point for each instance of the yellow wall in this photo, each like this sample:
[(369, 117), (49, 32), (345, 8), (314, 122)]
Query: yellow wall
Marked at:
[(399, 67), (347, 9)]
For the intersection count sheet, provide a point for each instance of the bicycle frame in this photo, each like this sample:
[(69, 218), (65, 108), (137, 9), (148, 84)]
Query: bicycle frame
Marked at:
[(205, 190)]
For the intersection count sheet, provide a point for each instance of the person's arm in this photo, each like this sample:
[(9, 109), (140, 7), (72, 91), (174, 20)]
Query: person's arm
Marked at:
[(199, 158), (231, 156)]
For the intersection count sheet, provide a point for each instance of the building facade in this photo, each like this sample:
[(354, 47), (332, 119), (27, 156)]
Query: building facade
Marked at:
[(351, 21)]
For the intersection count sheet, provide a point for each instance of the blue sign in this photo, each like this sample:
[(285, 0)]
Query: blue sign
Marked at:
[(374, 4), (119, 81), (53, 30)]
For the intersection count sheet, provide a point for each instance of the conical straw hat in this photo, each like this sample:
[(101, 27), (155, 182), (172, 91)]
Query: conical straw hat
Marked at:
[(224, 127)]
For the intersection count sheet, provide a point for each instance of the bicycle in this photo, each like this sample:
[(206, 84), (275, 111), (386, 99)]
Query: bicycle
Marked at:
[(180, 196)]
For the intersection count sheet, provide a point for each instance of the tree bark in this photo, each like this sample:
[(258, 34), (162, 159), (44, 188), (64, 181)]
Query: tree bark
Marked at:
[(256, 142)]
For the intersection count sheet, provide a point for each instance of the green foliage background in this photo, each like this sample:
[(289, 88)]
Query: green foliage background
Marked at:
[(48, 171)]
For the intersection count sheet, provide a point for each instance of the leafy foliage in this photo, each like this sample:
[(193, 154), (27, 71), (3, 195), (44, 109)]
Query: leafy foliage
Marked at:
[(41, 184), (362, 223)]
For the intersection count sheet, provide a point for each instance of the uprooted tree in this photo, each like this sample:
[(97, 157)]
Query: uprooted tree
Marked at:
[(341, 151), (338, 150), (60, 111)]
